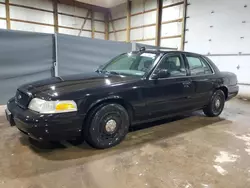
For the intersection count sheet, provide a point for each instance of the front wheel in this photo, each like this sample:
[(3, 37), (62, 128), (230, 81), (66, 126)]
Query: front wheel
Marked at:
[(107, 126), (216, 104)]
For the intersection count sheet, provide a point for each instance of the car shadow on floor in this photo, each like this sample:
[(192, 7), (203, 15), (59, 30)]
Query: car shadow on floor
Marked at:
[(138, 135)]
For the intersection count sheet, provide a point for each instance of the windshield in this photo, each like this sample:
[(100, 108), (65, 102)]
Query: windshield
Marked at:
[(131, 64)]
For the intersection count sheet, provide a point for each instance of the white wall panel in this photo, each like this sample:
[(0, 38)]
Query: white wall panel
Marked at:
[(111, 36), (172, 13), (99, 15), (150, 4), (31, 27), (136, 34), (230, 63), (119, 11), (74, 32), (2, 24), (31, 15), (149, 42), (172, 43), (44, 4), (149, 17), (99, 36), (120, 24), (137, 20), (143, 19), (171, 29), (149, 32), (72, 10), (142, 33), (70, 21), (2, 11), (137, 6), (99, 26), (2, 1), (121, 36), (169, 2)]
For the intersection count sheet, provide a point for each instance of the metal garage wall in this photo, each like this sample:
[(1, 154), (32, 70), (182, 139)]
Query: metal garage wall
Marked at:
[(24, 57), (220, 29), (80, 54)]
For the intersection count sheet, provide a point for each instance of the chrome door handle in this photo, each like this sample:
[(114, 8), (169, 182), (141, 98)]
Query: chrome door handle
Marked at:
[(186, 82)]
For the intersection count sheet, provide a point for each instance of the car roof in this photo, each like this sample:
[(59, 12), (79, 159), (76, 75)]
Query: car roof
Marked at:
[(166, 51)]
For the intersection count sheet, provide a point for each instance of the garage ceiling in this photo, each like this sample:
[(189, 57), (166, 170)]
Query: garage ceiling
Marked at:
[(103, 3)]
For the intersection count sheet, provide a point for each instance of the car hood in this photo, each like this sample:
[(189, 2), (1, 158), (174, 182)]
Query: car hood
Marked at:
[(58, 86)]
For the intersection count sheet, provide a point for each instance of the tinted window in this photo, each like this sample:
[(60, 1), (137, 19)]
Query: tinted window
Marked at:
[(173, 65), (198, 66)]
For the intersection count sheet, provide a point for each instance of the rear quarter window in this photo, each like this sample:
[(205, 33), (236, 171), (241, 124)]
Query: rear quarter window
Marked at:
[(198, 66)]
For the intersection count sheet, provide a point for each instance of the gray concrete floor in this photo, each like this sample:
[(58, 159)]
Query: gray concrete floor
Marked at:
[(191, 151)]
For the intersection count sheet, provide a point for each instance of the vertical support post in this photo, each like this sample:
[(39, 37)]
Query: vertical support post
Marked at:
[(56, 55), (128, 19), (92, 24), (55, 12), (183, 25), (158, 22), (106, 26), (7, 10)]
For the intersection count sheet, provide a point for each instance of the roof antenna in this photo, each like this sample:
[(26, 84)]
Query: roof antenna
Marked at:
[(142, 49)]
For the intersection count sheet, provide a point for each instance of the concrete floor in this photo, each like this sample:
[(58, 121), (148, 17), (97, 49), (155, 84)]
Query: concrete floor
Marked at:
[(186, 152)]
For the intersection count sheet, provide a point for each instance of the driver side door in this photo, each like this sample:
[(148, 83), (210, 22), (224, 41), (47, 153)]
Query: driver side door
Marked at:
[(172, 93)]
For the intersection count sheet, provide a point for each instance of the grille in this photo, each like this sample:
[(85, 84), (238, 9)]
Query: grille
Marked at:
[(22, 99)]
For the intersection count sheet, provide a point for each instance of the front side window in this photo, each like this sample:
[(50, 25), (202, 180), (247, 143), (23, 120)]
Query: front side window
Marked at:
[(131, 63), (198, 66), (173, 65)]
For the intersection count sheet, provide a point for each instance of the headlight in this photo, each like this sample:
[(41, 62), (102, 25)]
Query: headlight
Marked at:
[(50, 107)]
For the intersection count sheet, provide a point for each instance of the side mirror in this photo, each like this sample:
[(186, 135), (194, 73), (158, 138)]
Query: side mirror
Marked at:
[(99, 68), (163, 73)]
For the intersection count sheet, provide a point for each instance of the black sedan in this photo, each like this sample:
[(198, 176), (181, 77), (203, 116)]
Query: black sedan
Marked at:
[(132, 88)]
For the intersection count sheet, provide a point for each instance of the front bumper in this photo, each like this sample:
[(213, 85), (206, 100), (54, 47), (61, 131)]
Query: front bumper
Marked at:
[(47, 127)]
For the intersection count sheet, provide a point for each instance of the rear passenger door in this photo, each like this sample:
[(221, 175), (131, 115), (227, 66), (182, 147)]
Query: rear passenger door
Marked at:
[(202, 76)]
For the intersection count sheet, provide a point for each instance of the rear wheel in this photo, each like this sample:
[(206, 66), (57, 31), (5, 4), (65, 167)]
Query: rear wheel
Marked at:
[(216, 104), (107, 126)]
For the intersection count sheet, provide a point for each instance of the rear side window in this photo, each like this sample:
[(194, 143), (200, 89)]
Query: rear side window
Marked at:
[(198, 66)]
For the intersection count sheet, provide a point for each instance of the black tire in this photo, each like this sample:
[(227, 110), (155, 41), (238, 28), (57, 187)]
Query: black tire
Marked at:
[(216, 104), (107, 126)]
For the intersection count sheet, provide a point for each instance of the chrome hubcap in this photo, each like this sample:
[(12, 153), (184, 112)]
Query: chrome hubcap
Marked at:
[(217, 103), (110, 126)]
